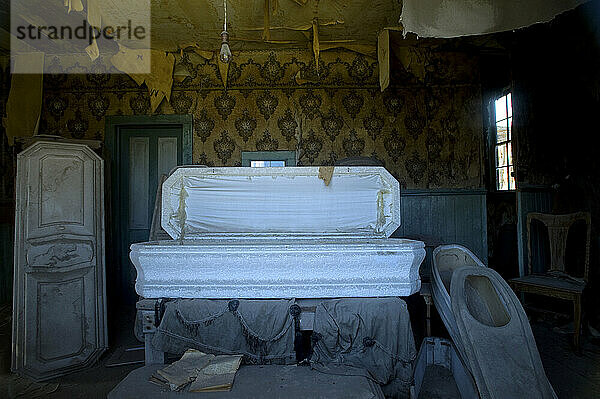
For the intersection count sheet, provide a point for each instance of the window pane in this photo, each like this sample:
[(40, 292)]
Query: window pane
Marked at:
[(502, 178), (501, 155), (501, 131), (501, 108), (266, 164), (503, 144), (511, 179)]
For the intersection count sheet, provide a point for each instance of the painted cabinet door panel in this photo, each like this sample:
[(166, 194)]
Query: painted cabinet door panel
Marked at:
[(58, 193), (59, 308)]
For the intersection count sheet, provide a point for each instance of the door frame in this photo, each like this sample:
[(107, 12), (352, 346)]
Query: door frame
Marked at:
[(113, 126)]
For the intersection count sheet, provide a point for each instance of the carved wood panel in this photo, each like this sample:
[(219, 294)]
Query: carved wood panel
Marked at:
[(59, 309)]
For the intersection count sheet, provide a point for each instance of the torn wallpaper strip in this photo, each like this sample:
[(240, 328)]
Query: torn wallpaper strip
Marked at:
[(24, 103), (159, 81), (223, 71), (452, 18), (383, 58), (73, 5), (316, 49)]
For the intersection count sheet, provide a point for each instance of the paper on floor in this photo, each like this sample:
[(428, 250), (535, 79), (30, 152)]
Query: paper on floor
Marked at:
[(218, 375), (201, 371)]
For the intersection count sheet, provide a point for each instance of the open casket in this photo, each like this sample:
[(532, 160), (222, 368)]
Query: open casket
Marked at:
[(292, 232)]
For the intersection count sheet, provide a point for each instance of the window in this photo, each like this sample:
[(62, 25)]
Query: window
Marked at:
[(265, 164), (505, 179), (262, 159)]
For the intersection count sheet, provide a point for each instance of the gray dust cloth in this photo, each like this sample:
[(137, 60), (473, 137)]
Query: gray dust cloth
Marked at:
[(365, 336), (261, 330)]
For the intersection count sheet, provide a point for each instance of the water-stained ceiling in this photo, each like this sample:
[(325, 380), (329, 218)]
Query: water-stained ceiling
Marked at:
[(179, 23)]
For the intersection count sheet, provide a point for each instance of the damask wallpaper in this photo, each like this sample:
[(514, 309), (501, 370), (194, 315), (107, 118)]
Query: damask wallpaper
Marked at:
[(427, 130)]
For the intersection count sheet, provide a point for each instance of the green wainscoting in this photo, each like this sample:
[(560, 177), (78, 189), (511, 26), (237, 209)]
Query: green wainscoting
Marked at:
[(439, 217)]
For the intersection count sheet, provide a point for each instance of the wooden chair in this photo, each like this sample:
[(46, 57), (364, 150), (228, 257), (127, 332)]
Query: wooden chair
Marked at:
[(556, 282)]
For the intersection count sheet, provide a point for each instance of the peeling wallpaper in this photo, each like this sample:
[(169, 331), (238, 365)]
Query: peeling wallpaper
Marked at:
[(427, 130)]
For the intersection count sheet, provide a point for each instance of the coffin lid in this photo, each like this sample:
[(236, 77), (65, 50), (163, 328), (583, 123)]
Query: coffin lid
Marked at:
[(199, 202)]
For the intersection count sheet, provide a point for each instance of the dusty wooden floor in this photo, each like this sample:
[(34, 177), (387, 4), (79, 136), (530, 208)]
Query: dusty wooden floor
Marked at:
[(573, 376), (93, 383)]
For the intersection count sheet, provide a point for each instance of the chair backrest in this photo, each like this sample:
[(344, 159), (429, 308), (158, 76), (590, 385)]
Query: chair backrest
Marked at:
[(558, 229)]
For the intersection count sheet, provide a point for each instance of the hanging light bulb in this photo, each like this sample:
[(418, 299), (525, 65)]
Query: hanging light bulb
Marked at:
[(225, 53)]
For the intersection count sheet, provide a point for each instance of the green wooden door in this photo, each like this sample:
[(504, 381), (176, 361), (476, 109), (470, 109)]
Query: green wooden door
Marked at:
[(146, 153)]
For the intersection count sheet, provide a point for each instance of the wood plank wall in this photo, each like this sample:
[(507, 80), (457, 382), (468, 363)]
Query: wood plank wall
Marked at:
[(445, 217)]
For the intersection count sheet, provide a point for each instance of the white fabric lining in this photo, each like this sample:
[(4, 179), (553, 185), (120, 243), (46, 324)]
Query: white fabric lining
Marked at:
[(301, 204)]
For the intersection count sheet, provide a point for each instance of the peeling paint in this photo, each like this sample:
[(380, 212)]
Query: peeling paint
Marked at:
[(381, 210), (181, 214), (326, 173)]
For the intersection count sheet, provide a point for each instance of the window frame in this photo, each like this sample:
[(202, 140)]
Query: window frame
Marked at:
[(288, 156), (493, 143)]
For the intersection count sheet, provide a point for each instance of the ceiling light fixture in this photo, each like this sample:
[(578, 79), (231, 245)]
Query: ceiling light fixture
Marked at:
[(225, 53)]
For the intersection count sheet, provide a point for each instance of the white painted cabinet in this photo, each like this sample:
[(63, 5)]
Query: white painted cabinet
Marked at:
[(59, 303)]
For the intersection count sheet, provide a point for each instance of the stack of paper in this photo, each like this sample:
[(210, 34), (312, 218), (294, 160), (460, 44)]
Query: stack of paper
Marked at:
[(201, 371), (218, 375)]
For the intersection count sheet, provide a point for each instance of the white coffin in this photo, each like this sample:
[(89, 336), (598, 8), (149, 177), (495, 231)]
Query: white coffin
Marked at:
[(279, 233)]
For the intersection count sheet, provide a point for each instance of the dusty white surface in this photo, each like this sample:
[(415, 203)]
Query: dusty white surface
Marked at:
[(496, 337), (487, 322), (279, 233), (278, 268), (358, 201), (446, 259)]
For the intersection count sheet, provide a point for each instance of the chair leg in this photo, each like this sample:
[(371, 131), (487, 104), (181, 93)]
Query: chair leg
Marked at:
[(577, 321), (428, 319)]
